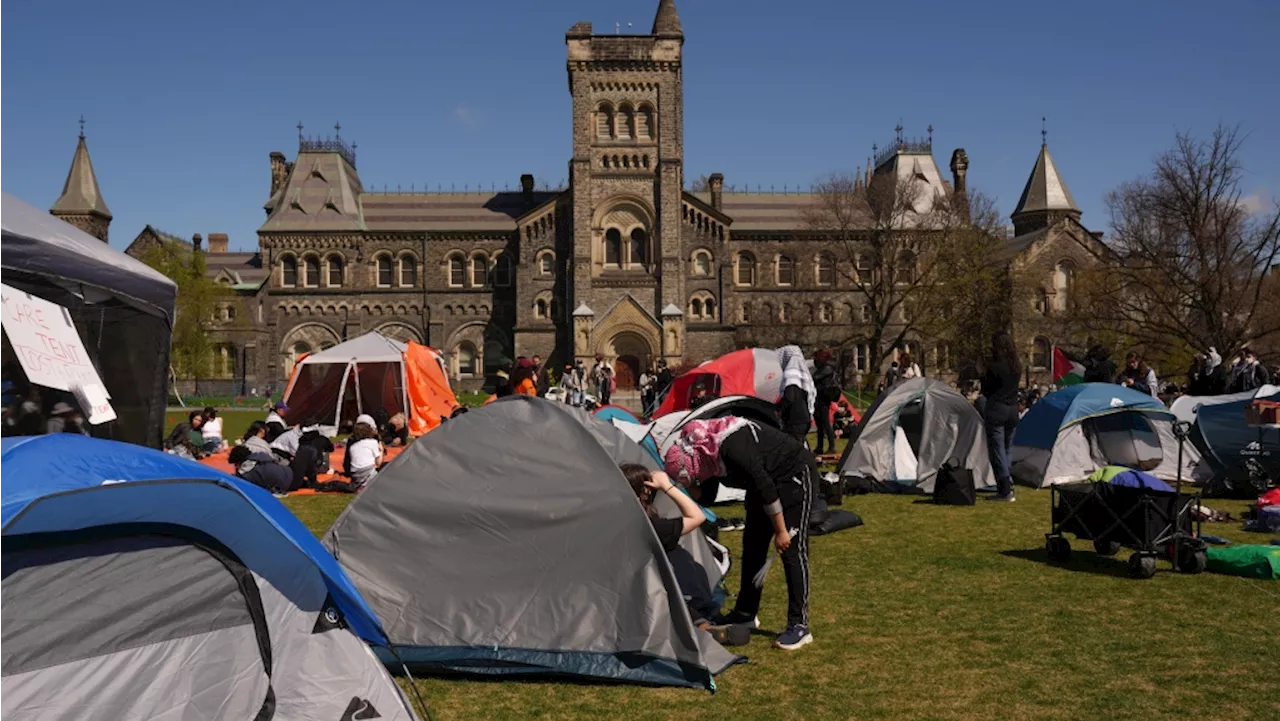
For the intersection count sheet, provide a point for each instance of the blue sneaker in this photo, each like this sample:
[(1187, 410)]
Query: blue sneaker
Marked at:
[(793, 638)]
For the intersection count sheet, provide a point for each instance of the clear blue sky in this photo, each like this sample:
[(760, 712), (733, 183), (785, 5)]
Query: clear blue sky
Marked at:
[(185, 100)]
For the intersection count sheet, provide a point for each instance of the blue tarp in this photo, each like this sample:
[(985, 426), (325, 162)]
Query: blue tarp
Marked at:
[(66, 481), (1039, 428)]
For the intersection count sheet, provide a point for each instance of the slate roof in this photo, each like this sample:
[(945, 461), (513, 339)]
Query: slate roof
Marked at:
[(80, 192), (1045, 190), (481, 212)]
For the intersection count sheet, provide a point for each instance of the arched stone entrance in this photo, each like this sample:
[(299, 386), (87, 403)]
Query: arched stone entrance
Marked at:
[(631, 354), (303, 339)]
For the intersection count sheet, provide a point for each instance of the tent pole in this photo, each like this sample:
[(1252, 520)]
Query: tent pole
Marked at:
[(173, 376)]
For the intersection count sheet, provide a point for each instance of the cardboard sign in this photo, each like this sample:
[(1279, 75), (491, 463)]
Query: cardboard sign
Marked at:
[(47, 343), (93, 397)]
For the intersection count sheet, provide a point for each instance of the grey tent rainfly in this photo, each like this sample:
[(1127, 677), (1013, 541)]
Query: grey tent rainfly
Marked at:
[(910, 432), (487, 547)]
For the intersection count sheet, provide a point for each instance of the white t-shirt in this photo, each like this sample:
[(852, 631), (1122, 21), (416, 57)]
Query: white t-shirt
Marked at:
[(211, 428), (274, 417), (365, 453)]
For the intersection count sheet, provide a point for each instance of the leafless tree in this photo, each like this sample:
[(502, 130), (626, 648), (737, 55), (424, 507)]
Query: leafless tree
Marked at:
[(1186, 266), (921, 265)]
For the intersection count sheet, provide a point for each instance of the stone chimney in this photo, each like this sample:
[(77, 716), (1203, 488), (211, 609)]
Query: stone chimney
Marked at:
[(279, 172), (526, 187), (196, 241), (218, 243), (959, 168), (716, 185)]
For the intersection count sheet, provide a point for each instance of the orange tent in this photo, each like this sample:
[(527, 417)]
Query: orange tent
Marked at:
[(368, 373)]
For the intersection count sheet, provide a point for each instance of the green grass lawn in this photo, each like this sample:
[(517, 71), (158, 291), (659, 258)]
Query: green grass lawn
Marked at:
[(952, 613)]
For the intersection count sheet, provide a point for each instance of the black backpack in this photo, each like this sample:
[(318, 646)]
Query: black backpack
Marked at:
[(954, 486)]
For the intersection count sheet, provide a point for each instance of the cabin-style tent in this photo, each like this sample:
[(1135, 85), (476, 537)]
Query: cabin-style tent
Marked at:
[(368, 373), (122, 309)]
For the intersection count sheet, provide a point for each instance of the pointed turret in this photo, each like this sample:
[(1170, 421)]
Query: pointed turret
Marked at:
[(81, 203), (1045, 199), (666, 23)]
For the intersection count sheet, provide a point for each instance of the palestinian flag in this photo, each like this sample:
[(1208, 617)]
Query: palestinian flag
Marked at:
[(1066, 372)]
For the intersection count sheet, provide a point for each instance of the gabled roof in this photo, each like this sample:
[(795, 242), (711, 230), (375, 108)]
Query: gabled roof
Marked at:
[(322, 193), (80, 192), (1045, 189)]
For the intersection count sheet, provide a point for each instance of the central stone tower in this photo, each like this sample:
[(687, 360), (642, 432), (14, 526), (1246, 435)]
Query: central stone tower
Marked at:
[(627, 177)]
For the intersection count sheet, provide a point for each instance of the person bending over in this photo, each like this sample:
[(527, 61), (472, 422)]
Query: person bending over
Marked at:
[(779, 475)]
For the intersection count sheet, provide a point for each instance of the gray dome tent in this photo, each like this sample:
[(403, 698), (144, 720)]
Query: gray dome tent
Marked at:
[(910, 432), (507, 541)]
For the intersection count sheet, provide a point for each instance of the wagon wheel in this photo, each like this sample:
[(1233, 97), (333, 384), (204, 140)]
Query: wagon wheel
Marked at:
[(1106, 548), (1058, 548), (1141, 566), (1192, 561)]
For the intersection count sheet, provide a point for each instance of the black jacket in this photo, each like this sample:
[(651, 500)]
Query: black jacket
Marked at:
[(794, 410), (180, 437), (825, 378), (268, 474), (758, 458), (1000, 383)]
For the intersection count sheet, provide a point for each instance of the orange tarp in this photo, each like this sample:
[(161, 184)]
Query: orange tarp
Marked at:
[(220, 461), (430, 396)]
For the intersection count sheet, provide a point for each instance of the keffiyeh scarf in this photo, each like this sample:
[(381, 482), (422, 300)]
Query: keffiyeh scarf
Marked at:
[(695, 456)]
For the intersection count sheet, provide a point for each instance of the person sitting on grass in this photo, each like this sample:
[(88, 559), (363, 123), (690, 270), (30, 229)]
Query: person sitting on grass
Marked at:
[(364, 452), (211, 430), (276, 424), (261, 470), (395, 432), (255, 438), (693, 581), (180, 443)]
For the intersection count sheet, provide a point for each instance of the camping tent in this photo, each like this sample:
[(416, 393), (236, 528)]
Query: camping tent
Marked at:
[(122, 309), (747, 372), (508, 542), (140, 585), (626, 421), (1227, 443), (368, 373), (1074, 431), (1186, 407), (910, 432)]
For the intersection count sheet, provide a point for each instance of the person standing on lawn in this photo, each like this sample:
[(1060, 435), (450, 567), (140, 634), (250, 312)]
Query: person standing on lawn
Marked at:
[(780, 476), (1000, 373), (827, 380), (799, 395)]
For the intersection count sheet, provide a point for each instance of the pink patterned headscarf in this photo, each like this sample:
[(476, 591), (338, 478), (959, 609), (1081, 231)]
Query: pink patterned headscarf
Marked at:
[(695, 456)]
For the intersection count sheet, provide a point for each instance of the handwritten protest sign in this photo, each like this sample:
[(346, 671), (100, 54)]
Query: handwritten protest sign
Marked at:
[(47, 344)]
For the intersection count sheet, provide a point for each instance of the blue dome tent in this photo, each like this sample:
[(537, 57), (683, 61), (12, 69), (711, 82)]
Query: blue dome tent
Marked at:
[(1072, 432), (231, 604)]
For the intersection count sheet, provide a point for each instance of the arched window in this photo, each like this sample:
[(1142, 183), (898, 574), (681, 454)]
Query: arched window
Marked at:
[(865, 314), (701, 263), (906, 272), (335, 271), (1040, 302), (626, 123), (744, 313), (746, 263), (479, 270), (863, 262), (547, 264), (604, 122), (296, 351), (540, 309), (1040, 352), (862, 357), (709, 308), (502, 271), (288, 271), (786, 270), (613, 248), (384, 271), (826, 270), (639, 248), (457, 271), (644, 123), (1064, 276), (695, 308), (784, 313), (408, 271), (466, 355), (825, 313), (311, 271)]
